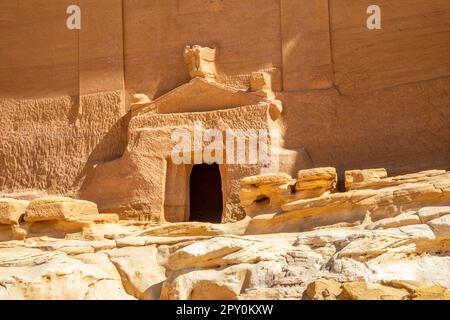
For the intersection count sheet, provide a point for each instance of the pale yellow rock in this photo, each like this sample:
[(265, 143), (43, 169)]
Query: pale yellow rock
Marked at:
[(206, 252), (425, 268), (382, 241), (72, 246), (441, 226), (224, 251), (357, 240), (225, 284), (431, 293), (58, 208), (330, 236), (378, 179), (11, 210), (429, 213), (328, 173), (267, 195), (325, 200), (371, 291), (32, 274), (200, 61), (100, 260), (323, 289), (356, 178), (355, 207), (418, 232), (141, 274), (421, 291), (18, 232), (95, 218), (317, 178), (396, 222), (276, 178), (139, 100), (261, 294)]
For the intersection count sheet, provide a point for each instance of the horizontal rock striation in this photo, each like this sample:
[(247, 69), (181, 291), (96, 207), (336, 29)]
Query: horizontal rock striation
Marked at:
[(382, 243)]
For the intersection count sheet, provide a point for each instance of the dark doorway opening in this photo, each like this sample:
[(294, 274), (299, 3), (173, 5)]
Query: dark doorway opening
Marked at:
[(205, 188)]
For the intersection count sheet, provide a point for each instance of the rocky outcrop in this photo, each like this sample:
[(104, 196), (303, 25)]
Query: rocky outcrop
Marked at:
[(388, 199), (320, 180), (29, 273), (324, 289), (12, 210), (267, 193), (54, 208), (11, 213), (381, 243)]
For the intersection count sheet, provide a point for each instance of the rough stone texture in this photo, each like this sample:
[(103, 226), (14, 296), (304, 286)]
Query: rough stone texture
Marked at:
[(11, 210), (359, 207), (317, 57), (146, 184), (88, 114), (265, 194), (399, 257), (38, 275), (315, 182), (325, 289), (427, 214), (404, 219), (364, 178), (142, 277), (54, 208), (441, 226)]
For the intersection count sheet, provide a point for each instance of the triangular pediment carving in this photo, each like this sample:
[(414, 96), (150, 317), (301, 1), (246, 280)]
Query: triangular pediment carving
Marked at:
[(201, 95), (204, 92)]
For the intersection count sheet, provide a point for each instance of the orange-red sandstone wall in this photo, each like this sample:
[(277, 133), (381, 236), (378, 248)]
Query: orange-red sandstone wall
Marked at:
[(61, 92), (354, 98)]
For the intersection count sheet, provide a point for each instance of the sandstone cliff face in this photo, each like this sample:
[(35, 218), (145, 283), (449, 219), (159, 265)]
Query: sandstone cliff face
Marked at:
[(86, 115), (388, 240), (357, 94)]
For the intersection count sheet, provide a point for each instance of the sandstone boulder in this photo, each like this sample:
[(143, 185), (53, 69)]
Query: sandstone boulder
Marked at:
[(326, 289), (421, 291), (58, 208), (323, 237), (323, 289), (429, 213), (354, 179), (11, 210), (32, 274), (401, 220), (266, 179), (378, 179), (141, 274), (431, 293), (211, 284), (204, 253), (371, 291), (265, 193), (441, 226), (317, 178)]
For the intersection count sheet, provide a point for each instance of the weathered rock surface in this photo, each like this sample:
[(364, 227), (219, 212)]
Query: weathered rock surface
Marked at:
[(377, 243), (324, 289), (27, 273), (324, 179), (408, 193), (55, 208), (11, 210)]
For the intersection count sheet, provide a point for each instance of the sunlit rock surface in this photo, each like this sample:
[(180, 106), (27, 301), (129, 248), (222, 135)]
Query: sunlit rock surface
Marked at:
[(386, 241)]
